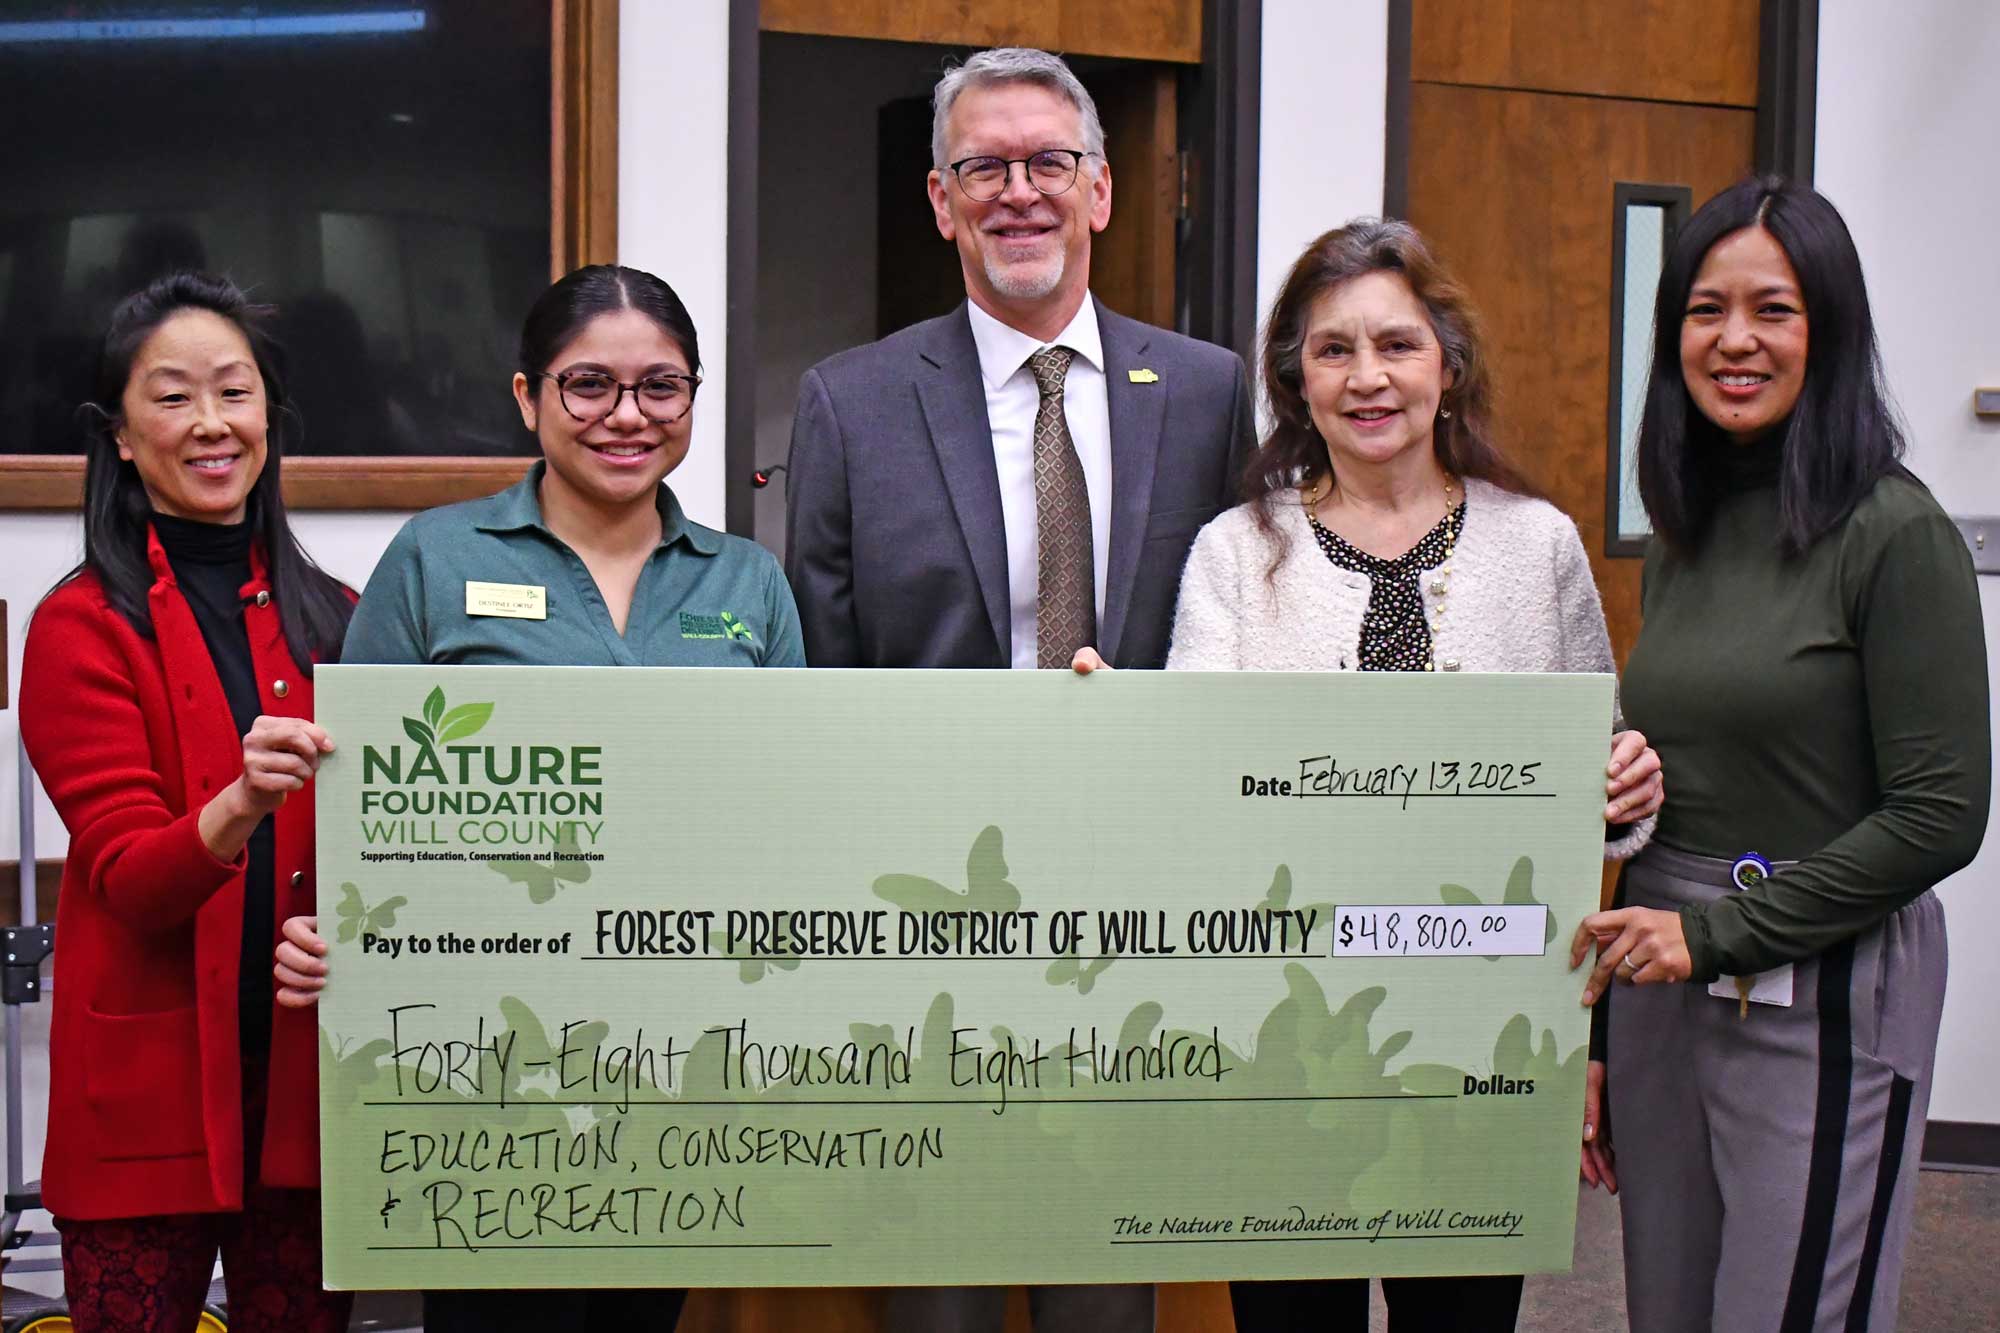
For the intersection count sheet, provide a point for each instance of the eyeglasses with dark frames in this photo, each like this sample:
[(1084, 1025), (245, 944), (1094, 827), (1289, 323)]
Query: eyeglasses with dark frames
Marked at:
[(984, 179), (592, 395)]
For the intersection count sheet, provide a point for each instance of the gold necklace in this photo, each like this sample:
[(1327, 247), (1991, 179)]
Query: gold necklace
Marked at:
[(1440, 576)]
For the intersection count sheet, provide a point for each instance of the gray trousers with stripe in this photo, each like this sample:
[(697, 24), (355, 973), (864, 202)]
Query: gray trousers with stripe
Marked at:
[(1768, 1164)]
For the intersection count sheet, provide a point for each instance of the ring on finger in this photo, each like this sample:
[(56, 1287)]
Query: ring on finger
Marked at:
[(1629, 962)]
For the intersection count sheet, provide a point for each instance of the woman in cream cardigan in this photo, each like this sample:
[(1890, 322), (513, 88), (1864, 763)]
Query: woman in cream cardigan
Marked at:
[(1386, 533)]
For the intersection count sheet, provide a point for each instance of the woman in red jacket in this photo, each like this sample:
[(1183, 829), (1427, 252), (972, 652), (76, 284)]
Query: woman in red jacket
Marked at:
[(166, 700)]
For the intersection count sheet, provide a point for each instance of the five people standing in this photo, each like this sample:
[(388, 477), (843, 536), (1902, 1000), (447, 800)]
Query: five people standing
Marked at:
[(1020, 483)]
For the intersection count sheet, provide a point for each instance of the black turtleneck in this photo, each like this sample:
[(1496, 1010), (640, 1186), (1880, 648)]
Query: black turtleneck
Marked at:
[(211, 563)]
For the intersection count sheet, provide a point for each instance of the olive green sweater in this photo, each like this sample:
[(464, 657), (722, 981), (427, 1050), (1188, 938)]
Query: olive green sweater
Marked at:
[(1829, 709)]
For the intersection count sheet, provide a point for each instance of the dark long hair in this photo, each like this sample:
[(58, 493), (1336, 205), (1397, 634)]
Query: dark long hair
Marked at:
[(581, 295), (1293, 453), (313, 608), (1842, 436)]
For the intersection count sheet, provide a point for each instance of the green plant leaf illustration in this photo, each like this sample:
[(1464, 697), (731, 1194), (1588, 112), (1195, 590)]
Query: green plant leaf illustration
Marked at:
[(463, 721), (434, 706), (1457, 895), (986, 886), (542, 878), (418, 732)]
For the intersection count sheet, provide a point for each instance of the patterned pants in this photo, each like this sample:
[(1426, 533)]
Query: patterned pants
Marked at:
[(150, 1274)]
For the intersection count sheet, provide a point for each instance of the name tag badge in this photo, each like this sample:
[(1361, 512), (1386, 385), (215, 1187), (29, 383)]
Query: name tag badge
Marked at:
[(1773, 987), (514, 601)]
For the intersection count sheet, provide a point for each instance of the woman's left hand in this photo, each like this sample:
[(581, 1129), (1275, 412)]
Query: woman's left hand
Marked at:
[(1635, 788), (300, 963), (1636, 944)]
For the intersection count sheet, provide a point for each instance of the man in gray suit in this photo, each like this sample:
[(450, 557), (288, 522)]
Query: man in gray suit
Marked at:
[(1022, 477), (1016, 480)]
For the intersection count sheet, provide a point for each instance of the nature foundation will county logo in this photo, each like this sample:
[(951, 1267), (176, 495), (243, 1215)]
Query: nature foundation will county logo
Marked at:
[(532, 806), (724, 626)]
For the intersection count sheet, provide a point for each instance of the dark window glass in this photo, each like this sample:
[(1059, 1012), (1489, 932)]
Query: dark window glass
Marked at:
[(378, 170)]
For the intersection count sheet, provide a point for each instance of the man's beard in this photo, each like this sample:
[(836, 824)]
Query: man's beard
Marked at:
[(1026, 282)]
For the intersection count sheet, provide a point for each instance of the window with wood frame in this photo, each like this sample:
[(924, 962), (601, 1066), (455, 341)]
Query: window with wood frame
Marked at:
[(400, 178)]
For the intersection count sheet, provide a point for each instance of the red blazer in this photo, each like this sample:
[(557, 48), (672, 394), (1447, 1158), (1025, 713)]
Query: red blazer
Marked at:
[(132, 737)]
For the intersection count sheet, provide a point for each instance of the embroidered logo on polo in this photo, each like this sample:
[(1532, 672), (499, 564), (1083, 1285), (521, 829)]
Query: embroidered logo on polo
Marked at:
[(724, 626)]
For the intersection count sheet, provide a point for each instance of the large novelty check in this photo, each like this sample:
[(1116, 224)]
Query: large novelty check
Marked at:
[(730, 978)]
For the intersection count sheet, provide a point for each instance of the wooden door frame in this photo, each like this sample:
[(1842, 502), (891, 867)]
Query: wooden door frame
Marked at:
[(1215, 270), (1787, 87), (1215, 274), (583, 229)]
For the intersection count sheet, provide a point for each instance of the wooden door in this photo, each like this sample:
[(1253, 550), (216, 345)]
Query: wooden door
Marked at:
[(1524, 115)]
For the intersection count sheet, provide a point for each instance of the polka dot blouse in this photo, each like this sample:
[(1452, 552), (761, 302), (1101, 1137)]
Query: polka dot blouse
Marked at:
[(1394, 634)]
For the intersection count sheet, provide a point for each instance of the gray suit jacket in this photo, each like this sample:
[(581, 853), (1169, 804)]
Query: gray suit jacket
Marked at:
[(895, 546)]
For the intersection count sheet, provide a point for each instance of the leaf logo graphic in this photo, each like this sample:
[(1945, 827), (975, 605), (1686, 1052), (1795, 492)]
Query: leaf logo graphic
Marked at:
[(439, 726), (735, 628)]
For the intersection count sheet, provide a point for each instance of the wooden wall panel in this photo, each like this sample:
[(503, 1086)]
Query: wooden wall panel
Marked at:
[(1132, 261), (1133, 29), (1514, 191), (1665, 50)]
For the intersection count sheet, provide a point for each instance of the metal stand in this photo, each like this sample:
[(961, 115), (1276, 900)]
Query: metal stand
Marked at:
[(23, 949)]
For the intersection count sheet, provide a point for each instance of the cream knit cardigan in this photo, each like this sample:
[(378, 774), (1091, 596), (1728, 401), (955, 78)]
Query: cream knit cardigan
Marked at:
[(1519, 598)]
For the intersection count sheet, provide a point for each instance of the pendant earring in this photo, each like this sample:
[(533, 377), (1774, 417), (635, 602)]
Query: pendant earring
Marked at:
[(1445, 412)]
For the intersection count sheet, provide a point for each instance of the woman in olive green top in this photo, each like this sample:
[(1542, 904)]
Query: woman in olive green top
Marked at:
[(588, 561), (1812, 672)]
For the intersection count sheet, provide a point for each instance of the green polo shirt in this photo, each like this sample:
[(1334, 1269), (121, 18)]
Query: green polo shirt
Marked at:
[(704, 598)]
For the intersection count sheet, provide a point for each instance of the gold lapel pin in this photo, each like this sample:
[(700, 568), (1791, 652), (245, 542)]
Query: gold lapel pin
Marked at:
[(1142, 376)]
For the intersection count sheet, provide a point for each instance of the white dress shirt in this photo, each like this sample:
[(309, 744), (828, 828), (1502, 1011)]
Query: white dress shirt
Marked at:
[(1012, 400)]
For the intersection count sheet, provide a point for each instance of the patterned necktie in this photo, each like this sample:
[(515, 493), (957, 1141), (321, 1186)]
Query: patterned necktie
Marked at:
[(1065, 580)]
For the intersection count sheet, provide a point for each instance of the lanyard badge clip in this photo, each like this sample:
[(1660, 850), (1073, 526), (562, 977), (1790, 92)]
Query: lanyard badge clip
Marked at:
[(1747, 872)]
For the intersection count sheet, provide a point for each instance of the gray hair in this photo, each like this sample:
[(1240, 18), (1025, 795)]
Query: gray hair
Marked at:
[(1013, 64)]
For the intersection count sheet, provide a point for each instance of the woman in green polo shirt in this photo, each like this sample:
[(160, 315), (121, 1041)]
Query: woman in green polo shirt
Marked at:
[(587, 561)]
